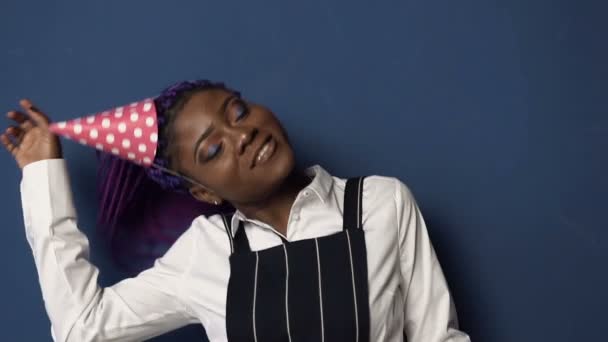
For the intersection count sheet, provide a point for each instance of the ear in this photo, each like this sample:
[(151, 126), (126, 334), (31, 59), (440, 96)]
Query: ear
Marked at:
[(204, 195)]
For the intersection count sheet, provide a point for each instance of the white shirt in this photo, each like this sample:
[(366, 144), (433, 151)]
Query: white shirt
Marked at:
[(407, 290)]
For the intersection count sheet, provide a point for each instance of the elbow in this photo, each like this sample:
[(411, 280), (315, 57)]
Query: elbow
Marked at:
[(77, 333)]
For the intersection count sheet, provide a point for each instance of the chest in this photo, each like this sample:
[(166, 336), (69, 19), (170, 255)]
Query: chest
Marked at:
[(340, 284), (208, 282)]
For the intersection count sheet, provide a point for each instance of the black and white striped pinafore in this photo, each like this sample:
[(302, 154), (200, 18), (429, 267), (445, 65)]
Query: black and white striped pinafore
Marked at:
[(307, 290)]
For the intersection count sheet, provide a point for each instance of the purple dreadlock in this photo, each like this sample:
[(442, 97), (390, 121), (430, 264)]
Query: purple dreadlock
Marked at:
[(143, 210)]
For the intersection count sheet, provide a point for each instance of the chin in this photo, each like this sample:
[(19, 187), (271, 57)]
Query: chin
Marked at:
[(273, 174), (282, 166)]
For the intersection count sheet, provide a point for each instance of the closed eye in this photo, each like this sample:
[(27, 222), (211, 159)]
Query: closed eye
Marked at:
[(240, 110), (213, 151)]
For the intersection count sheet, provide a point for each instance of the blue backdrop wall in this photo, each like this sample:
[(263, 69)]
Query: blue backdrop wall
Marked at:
[(493, 112)]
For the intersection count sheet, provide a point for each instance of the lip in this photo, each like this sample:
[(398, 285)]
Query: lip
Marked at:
[(269, 139)]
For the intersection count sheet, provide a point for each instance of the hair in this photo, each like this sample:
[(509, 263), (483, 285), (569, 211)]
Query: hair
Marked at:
[(142, 211)]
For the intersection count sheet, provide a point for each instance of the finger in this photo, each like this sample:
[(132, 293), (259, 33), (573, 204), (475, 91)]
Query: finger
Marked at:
[(13, 135), (35, 114), (23, 120), (17, 116), (16, 132), (6, 142)]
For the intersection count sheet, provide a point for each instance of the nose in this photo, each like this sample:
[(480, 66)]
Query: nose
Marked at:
[(244, 138)]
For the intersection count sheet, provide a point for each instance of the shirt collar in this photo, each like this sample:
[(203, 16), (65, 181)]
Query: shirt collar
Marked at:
[(321, 185)]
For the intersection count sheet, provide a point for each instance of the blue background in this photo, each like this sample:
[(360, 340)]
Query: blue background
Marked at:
[(494, 113)]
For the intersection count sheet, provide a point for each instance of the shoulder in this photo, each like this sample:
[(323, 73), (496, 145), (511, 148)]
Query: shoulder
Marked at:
[(381, 188), (211, 221), (210, 234), (384, 198), (203, 240), (204, 225)]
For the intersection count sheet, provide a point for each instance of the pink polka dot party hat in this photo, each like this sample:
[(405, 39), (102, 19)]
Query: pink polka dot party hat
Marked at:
[(129, 132)]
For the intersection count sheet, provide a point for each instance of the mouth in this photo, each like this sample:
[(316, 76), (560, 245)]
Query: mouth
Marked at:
[(264, 152)]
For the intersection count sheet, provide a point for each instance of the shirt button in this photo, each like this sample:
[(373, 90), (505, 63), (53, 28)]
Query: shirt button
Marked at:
[(305, 193), (296, 217)]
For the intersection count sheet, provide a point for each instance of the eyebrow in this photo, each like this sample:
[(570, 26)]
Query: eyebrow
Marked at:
[(207, 132)]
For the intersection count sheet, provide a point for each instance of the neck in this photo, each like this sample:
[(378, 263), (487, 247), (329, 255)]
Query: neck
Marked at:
[(275, 210)]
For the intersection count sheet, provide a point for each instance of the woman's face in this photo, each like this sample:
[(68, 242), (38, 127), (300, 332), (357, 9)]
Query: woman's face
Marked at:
[(237, 149)]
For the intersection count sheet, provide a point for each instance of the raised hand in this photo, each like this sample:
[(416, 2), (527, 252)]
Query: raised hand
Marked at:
[(29, 139)]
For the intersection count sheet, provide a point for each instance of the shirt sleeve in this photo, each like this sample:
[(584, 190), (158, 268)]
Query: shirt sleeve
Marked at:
[(79, 309), (430, 315)]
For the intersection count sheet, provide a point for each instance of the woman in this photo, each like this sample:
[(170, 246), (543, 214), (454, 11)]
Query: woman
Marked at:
[(307, 256)]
